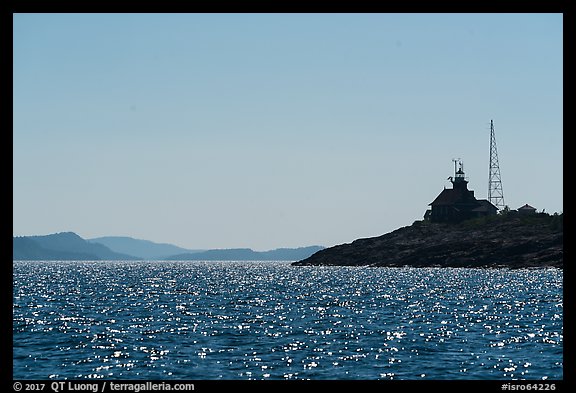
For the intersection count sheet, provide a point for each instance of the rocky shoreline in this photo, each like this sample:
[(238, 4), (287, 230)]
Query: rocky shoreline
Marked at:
[(509, 240)]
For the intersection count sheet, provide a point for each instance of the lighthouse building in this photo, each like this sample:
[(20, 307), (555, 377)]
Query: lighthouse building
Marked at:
[(458, 203)]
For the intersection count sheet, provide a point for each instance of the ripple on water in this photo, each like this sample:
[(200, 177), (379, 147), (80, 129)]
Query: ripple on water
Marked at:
[(269, 320)]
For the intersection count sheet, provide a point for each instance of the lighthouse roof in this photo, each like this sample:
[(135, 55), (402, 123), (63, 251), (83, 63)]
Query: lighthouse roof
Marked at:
[(450, 196)]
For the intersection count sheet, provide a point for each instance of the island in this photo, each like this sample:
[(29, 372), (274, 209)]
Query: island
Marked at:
[(508, 239)]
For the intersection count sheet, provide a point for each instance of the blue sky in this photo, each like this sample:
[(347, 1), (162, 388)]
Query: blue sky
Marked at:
[(276, 130)]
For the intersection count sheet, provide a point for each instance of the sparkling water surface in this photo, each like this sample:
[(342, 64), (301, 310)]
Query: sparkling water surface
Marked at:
[(270, 320)]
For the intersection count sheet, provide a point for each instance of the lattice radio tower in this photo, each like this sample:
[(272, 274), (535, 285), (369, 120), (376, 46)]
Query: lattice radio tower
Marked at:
[(495, 193)]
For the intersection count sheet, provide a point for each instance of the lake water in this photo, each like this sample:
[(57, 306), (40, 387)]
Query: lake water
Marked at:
[(270, 320)]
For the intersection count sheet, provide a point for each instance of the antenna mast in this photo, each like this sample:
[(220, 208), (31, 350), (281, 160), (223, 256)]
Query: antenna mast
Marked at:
[(495, 193)]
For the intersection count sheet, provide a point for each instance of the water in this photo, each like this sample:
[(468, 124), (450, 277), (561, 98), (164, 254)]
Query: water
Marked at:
[(270, 320)]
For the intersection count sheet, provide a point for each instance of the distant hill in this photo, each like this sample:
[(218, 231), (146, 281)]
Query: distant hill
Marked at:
[(62, 246), (70, 246), (24, 248), (144, 249), (247, 254)]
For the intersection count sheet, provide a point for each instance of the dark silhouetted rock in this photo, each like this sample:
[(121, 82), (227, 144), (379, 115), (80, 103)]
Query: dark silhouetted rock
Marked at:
[(498, 241)]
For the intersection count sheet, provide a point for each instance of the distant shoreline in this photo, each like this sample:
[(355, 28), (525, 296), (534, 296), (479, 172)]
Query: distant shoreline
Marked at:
[(68, 246)]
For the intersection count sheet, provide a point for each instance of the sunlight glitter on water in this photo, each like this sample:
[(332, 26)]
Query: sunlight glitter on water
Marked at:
[(269, 320)]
